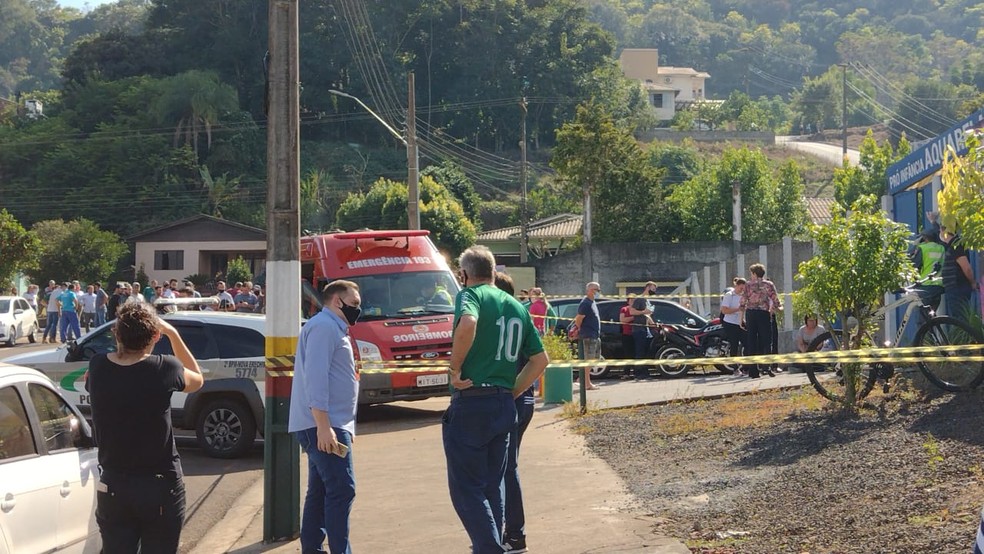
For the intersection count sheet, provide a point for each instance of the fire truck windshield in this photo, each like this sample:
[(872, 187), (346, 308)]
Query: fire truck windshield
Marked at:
[(397, 295)]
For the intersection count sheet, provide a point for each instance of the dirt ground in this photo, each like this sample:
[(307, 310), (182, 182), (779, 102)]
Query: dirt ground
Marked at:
[(781, 472)]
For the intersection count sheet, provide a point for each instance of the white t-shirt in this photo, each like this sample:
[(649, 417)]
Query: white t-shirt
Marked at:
[(732, 299), (807, 336), (88, 300), (53, 300)]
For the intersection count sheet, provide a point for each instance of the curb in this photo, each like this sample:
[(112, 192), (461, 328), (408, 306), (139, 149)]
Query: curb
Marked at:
[(227, 532)]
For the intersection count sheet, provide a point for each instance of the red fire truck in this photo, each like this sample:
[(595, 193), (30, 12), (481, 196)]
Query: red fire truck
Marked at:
[(407, 294)]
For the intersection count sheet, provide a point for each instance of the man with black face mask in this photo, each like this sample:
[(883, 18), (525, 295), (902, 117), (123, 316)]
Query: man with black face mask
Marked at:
[(324, 397)]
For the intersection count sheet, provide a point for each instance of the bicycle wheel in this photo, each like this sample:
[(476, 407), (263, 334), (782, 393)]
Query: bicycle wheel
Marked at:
[(828, 378), (950, 376)]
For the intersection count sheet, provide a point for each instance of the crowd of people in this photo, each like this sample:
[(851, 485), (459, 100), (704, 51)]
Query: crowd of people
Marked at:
[(67, 310)]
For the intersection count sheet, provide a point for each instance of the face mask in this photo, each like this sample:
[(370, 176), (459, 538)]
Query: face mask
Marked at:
[(351, 313)]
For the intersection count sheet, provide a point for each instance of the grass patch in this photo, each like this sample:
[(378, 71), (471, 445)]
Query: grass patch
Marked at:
[(744, 411)]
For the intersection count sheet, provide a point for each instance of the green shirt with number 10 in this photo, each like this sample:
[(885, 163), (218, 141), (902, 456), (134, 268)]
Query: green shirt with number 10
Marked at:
[(504, 331)]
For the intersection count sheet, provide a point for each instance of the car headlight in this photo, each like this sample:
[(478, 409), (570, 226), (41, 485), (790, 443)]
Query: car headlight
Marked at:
[(369, 352)]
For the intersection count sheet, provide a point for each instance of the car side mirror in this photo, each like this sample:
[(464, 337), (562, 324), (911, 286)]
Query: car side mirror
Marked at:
[(18, 311), (82, 434), (691, 322), (74, 352)]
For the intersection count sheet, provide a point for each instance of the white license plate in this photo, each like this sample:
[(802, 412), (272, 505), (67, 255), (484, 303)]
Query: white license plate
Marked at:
[(431, 380)]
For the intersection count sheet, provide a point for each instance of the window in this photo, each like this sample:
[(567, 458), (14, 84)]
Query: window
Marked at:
[(168, 259), (238, 342), (94, 344), (194, 335), (16, 439), (5, 307), (657, 100), (60, 426)]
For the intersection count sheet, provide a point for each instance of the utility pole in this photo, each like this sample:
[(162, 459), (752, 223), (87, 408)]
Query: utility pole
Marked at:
[(413, 166), (736, 216), (281, 454), (524, 242), (587, 262), (844, 108)]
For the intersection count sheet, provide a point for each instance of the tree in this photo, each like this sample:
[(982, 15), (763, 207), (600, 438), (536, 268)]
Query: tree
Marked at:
[(858, 258), (868, 177), (193, 101), (384, 206), (594, 156), (77, 249), (450, 176), (19, 246), (771, 204), (962, 198), (238, 271)]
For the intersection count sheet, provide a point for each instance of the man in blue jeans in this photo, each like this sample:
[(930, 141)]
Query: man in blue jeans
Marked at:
[(491, 331), (324, 397)]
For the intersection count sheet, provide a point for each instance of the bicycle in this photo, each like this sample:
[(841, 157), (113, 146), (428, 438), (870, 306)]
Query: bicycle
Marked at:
[(934, 331)]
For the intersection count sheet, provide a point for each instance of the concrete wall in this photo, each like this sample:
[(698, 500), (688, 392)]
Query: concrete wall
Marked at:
[(628, 262), (707, 268), (707, 136)]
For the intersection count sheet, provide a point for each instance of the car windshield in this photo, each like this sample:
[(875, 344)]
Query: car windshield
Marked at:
[(396, 295), (4, 306)]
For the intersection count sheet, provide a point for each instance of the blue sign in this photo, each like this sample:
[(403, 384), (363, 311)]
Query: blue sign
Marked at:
[(928, 159)]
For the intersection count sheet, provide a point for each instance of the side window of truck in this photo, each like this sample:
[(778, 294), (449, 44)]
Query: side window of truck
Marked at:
[(195, 335), (238, 342)]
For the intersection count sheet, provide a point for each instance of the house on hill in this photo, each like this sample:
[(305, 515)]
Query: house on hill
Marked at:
[(669, 88)]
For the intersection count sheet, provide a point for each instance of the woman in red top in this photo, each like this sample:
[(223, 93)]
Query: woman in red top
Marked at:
[(538, 309), (628, 342), (759, 301)]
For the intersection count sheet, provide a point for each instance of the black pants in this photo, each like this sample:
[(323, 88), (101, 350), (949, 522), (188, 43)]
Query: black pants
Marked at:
[(736, 338), (628, 353), (140, 512), (759, 327)]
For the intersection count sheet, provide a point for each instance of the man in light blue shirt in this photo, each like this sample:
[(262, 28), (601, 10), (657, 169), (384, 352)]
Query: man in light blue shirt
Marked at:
[(323, 400)]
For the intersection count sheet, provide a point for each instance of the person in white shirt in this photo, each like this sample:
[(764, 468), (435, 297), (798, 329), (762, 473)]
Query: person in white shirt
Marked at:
[(88, 299), (226, 303), (806, 334), (51, 321), (730, 308), (32, 296)]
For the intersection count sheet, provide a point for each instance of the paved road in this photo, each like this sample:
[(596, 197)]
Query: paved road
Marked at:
[(828, 152)]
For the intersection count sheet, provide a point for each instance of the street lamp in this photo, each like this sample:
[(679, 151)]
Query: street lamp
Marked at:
[(410, 141)]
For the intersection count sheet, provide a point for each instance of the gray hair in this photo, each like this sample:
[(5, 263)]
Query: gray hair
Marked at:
[(592, 284), (478, 262)]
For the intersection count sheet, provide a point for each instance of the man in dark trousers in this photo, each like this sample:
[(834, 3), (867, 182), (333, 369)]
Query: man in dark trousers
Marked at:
[(491, 331), (958, 277)]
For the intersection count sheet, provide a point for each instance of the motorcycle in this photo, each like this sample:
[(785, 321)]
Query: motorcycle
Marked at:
[(678, 341)]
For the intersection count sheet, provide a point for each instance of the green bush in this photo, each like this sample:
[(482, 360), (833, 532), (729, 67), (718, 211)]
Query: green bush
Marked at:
[(238, 270)]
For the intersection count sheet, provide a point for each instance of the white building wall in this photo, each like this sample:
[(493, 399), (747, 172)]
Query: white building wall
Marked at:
[(144, 254)]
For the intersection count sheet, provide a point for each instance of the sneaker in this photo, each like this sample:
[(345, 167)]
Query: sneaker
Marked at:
[(514, 546)]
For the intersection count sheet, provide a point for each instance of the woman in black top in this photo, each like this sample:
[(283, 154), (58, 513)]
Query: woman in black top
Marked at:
[(141, 499)]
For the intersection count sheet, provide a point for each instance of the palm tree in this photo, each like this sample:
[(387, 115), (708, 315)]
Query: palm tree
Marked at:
[(193, 101)]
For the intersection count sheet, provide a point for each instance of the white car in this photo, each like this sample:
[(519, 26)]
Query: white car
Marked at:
[(17, 319), (48, 469), (230, 348)]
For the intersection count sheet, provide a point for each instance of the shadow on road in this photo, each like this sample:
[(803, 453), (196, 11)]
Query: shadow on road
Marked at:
[(387, 418), (194, 461), (958, 418)]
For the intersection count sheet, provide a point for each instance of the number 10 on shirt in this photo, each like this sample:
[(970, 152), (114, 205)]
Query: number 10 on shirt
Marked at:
[(510, 338)]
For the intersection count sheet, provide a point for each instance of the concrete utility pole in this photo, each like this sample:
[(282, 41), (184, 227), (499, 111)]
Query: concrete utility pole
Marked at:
[(736, 215), (586, 261), (524, 241), (844, 108), (281, 455), (413, 160)]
